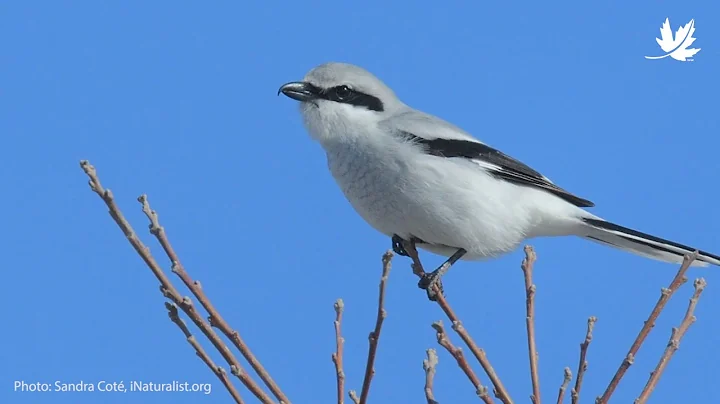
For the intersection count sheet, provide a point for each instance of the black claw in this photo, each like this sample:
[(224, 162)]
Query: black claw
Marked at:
[(428, 281), (397, 246)]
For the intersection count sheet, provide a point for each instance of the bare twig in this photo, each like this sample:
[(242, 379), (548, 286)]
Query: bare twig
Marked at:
[(566, 381), (674, 343), (354, 397), (337, 356), (375, 334), (499, 390), (527, 268), (665, 295), (429, 365), (167, 288), (457, 353), (582, 365), (214, 317), (200, 352)]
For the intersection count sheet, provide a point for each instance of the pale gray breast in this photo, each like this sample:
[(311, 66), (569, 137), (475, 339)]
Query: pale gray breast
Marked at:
[(370, 182)]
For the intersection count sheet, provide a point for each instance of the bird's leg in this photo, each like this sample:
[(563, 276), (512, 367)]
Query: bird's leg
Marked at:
[(397, 246), (428, 280), (433, 278)]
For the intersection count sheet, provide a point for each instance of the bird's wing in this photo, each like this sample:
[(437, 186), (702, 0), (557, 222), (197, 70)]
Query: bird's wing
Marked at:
[(442, 139)]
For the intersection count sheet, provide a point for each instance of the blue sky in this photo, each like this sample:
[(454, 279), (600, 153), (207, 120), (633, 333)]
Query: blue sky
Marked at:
[(179, 101)]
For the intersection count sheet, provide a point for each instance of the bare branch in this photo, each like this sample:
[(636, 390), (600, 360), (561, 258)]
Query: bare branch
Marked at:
[(167, 288), (215, 323), (566, 381), (665, 296), (582, 365), (674, 343), (429, 365), (214, 317), (499, 390), (337, 356), (200, 352), (527, 268), (114, 211), (457, 353), (375, 334)]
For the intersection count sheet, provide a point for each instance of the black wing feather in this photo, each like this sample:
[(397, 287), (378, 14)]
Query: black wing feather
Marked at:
[(509, 169)]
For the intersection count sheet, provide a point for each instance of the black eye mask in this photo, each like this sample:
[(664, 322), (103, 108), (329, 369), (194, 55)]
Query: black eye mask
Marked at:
[(347, 95)]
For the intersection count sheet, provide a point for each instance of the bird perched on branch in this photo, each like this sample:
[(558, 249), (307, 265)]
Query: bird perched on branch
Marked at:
[(415, 177)]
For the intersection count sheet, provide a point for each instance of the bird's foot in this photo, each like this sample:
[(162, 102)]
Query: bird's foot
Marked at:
[(397, 246), (432, 284), (429, 281)]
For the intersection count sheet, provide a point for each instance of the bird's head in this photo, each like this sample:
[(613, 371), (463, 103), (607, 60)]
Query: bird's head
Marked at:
[(339, 99)]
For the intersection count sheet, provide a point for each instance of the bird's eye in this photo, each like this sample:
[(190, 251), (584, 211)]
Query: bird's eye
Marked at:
[(343, 92)]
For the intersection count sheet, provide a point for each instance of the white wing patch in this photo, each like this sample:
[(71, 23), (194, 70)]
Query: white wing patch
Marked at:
[(496, 168)]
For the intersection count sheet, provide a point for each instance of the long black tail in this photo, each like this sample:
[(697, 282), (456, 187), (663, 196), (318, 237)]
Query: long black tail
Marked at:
[(643, 244)]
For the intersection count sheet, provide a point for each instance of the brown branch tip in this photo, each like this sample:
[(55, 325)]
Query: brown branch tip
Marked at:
[(567, 377), (665, 295), (374, 336), (354, 397), (429, 366), (527, 267), (337, 356), (444, 341), (583, 364), (674, 343)]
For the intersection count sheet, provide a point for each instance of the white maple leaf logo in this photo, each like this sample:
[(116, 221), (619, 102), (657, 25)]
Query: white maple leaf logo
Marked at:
[(677, 47)]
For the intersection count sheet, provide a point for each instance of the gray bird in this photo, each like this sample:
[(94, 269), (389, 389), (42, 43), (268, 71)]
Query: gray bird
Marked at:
[(417, 178)]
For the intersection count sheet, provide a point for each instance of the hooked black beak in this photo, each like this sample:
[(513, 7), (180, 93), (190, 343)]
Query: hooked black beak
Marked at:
[(300, 90)]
